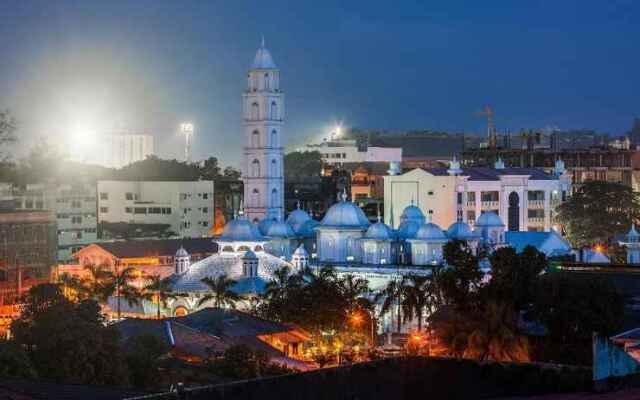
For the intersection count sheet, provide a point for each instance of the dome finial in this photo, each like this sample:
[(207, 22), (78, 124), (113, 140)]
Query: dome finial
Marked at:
[(378, 212), (262, 43), (343, 196), (298, 204), (241, 208)]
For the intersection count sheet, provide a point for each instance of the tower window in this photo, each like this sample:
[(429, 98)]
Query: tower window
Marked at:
[(274, 168), (255, 139), (274, 138), (255, 111), (274, 110), (255, 168), (267, 85)]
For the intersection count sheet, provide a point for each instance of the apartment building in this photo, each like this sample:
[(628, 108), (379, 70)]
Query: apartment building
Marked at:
[(184, 209)]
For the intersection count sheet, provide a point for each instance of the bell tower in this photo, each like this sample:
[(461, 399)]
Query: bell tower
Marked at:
[(263, 116)]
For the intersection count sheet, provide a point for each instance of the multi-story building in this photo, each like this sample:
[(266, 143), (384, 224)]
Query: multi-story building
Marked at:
[(525, 198), (74, 207), (343, 152), (123, 149), (184, 208)]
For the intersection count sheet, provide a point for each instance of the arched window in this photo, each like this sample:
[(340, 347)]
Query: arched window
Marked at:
[(255, 168), (274, 168), (274, 198), (255, 139), (274, 138), (255, 198), (274, 110), (267, 84), (255, 111)]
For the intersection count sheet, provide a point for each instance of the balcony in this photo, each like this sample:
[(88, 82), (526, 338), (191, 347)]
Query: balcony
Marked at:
[(471, 204), (535, 204), (490, 205), (535, 221)]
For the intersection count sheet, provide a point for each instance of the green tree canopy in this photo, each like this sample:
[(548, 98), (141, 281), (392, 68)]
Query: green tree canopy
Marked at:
[(300, 164), (460, 282), (597, 212), (68, 341)]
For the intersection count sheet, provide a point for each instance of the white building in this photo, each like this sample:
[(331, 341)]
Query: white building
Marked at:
[(187, 207), (123, 149), (74, 206), (348, 151), (524, 198), (263, 116)]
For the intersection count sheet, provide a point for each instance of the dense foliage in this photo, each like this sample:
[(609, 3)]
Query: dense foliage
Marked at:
[(597, 212), (240, 362), (302, 164)]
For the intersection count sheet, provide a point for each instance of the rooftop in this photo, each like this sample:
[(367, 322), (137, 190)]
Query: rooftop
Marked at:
[(491, 174), (162, 247)]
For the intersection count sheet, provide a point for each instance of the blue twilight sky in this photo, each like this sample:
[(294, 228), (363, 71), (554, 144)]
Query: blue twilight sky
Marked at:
[(70, 67)]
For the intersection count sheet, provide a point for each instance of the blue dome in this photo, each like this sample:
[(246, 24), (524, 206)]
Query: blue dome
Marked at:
[(240, 230), (296, 218), (265, 224), (250, 255), (459, 230), (412, 213), (182, 252), (488, 218), (430, 232), (307, 229), (280, 229), (379, 231), (345, 214), (408, 229)]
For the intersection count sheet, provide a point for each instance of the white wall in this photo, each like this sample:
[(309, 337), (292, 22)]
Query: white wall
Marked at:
[(187, 206)]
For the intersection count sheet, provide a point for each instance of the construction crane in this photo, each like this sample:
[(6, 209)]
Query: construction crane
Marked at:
[(491, 129)]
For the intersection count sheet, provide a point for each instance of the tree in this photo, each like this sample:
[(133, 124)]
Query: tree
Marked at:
[(120, 285), (14, 361), (514, 276), (210, 169), (301, 164), (239, 362), (495, 335), (597, 212), (159, 290), (355, 290), (220, 292), (68, 341), (231, 173), (419, 295), (392, 295), (96, 285), (460, 281)]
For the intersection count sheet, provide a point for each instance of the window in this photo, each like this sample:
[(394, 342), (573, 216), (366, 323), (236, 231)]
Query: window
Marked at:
[(274, 168), (76, 220), (430, 193), (128, 210), (155, 210), (274, 138), (535, 213), (128, 196), (104, 209), (459, 197), (166, 210), (205, 196), (255, 168), (344, 155), (255, 139), (535, 195), (104, 196), (274, 198), (471, 197), (274, 110), (471, 216), (140, 210), (490, 196), (76, 204), (255, 111), (28, 204), (205, 210)]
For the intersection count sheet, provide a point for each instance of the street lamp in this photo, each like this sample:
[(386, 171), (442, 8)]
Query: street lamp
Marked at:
[(187, 129)]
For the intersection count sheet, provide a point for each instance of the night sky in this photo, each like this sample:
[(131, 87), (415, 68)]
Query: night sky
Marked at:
[(69, 67)]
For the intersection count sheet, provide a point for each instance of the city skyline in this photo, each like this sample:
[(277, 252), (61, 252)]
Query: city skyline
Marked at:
[(98, 67)]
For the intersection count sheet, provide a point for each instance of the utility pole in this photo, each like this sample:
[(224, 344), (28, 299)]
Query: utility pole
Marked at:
[(186, 129), (491, 128)]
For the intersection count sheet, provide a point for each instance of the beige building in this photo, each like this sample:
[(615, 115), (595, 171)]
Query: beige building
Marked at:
[(525, 198)]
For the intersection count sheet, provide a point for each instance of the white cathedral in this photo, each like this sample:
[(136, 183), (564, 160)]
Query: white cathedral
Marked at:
[(259, 241)]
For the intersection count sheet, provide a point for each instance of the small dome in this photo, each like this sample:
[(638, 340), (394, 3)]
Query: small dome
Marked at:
[(249, 255), (412, 213), (489, 218), (263, 59), (632, 232), (182, 252), (265, 224), (408, 229), (459, 230), (241, 230), (280, 229), (301, 252), (379, 231), (297, 217), (307, 229), (430, 232), (345, 214)]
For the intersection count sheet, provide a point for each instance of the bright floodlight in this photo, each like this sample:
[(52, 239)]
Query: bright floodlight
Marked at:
[(186, 127)]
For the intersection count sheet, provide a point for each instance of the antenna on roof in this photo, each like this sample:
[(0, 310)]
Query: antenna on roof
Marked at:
[(378, 212)]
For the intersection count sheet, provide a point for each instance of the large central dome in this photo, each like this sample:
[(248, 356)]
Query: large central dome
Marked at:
[(240, 230), (345, 214)]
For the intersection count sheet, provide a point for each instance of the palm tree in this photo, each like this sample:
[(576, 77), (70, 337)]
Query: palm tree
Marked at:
[(278, 286), (220, 291), (161, 290), (419, 293), (392, 295), (495, 336), (96, 285), (71, 286), (120, 284), (354, 290)]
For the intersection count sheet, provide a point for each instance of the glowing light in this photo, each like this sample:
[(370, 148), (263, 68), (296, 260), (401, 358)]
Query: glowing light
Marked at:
[(598, 248)]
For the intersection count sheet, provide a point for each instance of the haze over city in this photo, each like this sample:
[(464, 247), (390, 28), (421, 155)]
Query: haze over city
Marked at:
[(69, 68)]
